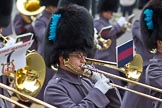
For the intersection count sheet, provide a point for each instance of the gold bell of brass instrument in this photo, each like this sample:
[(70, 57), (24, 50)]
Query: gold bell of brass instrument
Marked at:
[(29, 9), (100, 42), (29, 80)]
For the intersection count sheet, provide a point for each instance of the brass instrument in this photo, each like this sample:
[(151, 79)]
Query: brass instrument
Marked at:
[(3, 39), (134, 68), (100, 42), (29, 9), (103, 44), (28, 80), (132, 71), (32, 75)]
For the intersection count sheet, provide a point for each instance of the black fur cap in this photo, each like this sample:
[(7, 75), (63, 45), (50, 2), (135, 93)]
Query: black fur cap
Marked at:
[(49, 2), (74, 32), (108, 5), (84, 3)]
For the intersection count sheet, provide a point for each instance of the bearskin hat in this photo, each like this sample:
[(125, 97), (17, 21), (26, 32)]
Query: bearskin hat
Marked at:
[(5, 12), (49, 2), (84, 3), (74, 32), (108, 5), (151, 24)]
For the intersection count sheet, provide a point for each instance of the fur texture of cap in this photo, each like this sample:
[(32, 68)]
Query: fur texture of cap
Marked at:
[(84, 3), (49, 2), (151, 36), (5, 12), (108, 5), (74, 32)]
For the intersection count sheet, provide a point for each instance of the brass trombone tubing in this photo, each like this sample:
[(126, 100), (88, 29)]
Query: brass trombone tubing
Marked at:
[(137, 92), (105, 63), (26, 96), (130, 81), (3, 37), (12, 101)]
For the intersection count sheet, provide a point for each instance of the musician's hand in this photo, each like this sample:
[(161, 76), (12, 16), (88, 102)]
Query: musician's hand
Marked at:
[(96, 76), (103, 84), (121, 21)]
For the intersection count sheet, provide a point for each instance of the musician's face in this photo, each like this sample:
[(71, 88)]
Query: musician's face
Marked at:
[(77, 59), (108, 14)]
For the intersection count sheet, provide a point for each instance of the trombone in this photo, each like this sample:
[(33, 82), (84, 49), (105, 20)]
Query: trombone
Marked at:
[(132, 70)]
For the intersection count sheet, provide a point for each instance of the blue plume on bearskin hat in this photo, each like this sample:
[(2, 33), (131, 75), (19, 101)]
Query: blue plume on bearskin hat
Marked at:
[(151, 24)]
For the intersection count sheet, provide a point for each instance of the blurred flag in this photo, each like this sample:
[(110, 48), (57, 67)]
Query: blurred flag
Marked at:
[(124, 53)]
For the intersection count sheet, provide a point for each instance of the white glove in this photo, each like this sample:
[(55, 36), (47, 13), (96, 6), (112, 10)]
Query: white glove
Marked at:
[(96, 42), (103, 84), (96, 76), (121, 21)]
